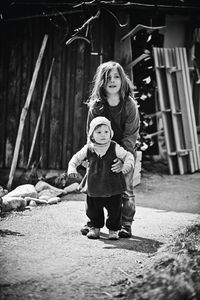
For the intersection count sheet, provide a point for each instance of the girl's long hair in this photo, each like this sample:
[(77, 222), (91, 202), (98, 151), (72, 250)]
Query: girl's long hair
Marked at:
[(98, 93)]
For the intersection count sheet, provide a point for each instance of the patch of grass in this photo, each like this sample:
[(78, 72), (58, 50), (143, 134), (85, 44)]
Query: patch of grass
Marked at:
[(175, 272)]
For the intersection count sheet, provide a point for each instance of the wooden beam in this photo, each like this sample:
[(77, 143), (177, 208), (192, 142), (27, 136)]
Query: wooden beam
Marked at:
[(25, 111), (40, 114), (123, 50), (140, 27)]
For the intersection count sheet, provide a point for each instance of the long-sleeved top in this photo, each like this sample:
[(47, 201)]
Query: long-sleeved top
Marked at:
[(101, 181), (125, 121)]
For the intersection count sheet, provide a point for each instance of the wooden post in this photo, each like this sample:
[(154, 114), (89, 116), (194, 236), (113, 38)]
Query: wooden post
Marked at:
[(24, 113), (40, 114), (123, 53)]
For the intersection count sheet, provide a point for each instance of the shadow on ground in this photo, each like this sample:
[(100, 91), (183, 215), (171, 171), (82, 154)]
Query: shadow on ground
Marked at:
[(5, 232), (135, 243)]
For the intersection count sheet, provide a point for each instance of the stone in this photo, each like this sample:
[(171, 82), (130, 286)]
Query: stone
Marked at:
[(53, 200), (13, 203), (25, 190)]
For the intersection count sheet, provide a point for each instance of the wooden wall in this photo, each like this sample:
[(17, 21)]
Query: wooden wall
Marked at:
[(62, 129)]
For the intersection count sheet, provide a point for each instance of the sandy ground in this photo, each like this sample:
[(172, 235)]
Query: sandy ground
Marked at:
[(44, 256)]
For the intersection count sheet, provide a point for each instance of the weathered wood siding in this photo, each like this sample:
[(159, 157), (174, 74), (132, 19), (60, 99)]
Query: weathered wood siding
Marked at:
[(62, 128)]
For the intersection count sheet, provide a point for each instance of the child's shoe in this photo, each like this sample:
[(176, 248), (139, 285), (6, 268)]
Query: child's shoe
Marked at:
[(113, 235), (93, 233), (85, 229), (125, 232)]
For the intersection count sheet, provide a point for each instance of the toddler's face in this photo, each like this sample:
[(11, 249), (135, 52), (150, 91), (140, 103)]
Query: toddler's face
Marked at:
[(113, 83), (101, 134)]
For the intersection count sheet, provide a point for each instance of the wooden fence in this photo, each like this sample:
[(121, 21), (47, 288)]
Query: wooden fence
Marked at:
[(62, 126)]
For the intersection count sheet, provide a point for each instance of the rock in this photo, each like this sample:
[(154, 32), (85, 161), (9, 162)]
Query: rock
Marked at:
[(42, 185), (72, 187), (53, 200), (47, 194), (23, 191), (36, 200), (47, 191), (44, 197), (32, 203), (3, 191), (13, 203)]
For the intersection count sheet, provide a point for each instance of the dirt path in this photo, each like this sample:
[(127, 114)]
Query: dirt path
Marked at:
[(44, 256)]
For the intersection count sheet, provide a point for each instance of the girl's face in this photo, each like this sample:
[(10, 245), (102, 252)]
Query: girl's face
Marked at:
[(101, 134), (113, 84)]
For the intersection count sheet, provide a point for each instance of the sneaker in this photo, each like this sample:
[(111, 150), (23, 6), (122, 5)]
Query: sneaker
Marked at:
[(93, 233), (85, 229), (113, 235), (125, 232)]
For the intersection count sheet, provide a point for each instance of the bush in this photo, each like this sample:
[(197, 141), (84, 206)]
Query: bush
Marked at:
[(176, 274)]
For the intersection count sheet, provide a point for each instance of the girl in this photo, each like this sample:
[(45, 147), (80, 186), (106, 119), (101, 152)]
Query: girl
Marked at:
[(104, 187), (112, 96)]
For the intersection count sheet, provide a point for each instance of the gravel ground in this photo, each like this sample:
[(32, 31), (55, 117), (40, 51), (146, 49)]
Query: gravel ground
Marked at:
[(44, 256)]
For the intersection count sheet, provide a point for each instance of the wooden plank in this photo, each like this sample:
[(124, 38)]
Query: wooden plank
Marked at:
[(175, 108), (40, 113), (43, 153), (166, 110), (3, 101), (78, 96), (36, 99), (182, 90), (187, 131), (24, 113), (12, 100), (70, 114), (66, 95), (137, 60), (55, 117), (123, 49), (27, 62), (182, 53)]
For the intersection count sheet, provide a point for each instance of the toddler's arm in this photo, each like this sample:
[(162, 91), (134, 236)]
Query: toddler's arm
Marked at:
[(75, 161)]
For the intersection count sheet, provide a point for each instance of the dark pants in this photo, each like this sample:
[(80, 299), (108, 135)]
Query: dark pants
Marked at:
[(95, 211)]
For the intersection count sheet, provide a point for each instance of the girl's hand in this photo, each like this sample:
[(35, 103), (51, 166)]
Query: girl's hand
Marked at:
[(126, 169), (85, 164), (73, 175), (117, 165)]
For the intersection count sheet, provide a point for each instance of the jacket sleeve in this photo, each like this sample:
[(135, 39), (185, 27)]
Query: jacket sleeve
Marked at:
[(93, 112), (132, 126), (90, 117), (76, 160), (127, 158)]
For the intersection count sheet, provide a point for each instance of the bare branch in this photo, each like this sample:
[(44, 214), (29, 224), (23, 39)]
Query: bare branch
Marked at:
[(77, 38), (110, 12), (87, 22)]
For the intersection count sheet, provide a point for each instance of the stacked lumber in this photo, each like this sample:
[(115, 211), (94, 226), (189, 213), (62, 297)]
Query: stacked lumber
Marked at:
[(176, 106)]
